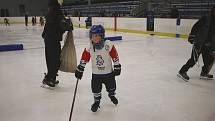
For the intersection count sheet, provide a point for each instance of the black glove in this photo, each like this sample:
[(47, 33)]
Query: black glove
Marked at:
[(117, 69), (79, 71), (191, 39)]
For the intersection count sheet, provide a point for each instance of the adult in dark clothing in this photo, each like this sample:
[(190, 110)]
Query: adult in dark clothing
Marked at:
[(41, 21), (33, 21), (6, 22), (202, 36), (26, 19), (52, 34)]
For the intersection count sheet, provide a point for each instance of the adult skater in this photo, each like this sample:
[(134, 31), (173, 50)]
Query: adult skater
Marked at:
[(54, 28), (26, 19), (41, 21), (6, 22), (33, 21), (202, 36), (102, 52)]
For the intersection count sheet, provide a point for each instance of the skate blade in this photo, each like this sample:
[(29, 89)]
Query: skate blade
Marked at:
[(182, 78), (47, 87), (205, 78)]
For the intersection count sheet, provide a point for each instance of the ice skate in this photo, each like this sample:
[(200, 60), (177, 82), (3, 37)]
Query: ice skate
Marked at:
[(206, 76), (183, 76), (49, 84), (95, 106), (114, 100)]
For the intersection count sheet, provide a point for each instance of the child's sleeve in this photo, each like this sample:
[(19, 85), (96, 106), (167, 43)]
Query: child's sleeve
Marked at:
[(85, 58), (114, 55)]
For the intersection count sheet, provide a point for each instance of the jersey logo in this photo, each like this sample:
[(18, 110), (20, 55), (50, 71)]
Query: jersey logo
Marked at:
[(100, 62)]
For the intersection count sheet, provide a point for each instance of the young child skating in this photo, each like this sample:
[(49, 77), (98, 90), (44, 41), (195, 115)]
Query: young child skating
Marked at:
[(102, 52)]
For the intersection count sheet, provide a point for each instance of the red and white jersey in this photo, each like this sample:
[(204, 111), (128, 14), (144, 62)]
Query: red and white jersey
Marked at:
[(101, 59)]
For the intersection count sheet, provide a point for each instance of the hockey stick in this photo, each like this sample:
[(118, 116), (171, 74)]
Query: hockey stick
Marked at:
[(73, 102)]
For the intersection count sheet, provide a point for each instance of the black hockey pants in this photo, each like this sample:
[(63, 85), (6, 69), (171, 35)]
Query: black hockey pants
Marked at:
[(96, 85), (207, 60), (52, 54)]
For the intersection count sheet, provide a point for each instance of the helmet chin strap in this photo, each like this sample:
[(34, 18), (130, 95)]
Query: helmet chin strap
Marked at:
[(98, 45), (93, 47)]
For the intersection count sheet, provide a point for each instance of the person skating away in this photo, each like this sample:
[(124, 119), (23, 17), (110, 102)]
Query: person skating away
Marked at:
[(6, 22), (102, 53), (33, 21), (201, 37), (41, 21), (26, 19)]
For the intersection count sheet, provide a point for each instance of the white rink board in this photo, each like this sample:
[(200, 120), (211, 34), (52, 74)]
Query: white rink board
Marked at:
[(162, 25)]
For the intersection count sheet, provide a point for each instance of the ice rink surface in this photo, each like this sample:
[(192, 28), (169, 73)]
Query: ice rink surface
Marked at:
[(148, 88)]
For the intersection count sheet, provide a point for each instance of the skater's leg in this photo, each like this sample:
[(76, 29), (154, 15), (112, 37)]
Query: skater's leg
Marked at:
[(48, 57), (96, 86), (110, 84), (190, 63), (56, 61), (52, 51), (208, 60), (48, 79)]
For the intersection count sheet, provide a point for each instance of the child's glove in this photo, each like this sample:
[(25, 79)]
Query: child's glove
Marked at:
[(117, 69), (79, 71)]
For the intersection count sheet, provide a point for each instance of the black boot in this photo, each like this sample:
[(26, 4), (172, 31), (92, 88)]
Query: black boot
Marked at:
[(183, 75), (206, 76), (95, 106), (114, 99), (49, 82)]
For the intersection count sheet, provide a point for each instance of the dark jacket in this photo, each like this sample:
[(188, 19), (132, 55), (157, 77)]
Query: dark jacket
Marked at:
[(52, 29), (204, 32), (200, 30)]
